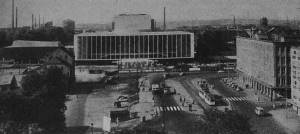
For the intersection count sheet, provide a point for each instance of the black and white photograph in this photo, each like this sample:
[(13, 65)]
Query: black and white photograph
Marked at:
[(149, 66)]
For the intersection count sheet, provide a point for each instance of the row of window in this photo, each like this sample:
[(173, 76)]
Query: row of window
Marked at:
[(143, 46)]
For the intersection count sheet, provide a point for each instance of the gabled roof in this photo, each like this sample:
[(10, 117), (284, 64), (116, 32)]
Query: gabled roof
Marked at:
[(6, 79), (25, 43)]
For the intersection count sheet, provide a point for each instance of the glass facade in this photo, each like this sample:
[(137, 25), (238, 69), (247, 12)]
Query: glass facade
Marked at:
[(152, 46)]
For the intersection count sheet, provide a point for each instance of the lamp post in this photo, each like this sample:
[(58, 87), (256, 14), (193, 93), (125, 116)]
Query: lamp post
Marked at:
[(92, 128)]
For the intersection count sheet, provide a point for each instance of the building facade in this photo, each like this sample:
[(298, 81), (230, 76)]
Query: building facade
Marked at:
[(42, 54), (264, 66), (295, 78), (113, 46)]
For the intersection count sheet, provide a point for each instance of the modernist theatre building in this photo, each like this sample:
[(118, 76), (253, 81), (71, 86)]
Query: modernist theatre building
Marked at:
[(104, 47), (133, 40)]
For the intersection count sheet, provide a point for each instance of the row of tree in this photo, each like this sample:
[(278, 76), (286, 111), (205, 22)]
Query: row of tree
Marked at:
[(41, 101), (41, 34), (213, 42)]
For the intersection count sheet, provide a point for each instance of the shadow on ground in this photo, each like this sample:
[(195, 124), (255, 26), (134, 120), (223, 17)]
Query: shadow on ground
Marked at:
[(77, 130)]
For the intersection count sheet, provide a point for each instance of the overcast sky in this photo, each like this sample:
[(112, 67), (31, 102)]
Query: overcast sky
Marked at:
[(102, 11)]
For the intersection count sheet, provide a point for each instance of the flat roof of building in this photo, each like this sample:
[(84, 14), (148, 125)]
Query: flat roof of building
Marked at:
[(132, 33), (25, 43)]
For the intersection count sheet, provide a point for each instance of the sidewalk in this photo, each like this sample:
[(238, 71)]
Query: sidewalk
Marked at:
[(285, 117), (288, 119)]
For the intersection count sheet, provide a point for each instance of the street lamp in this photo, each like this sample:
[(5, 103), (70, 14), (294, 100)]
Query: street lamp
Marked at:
[(92, 129)]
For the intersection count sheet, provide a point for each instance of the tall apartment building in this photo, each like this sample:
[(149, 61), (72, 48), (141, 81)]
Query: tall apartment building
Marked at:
[(295, 78), (264, 66)]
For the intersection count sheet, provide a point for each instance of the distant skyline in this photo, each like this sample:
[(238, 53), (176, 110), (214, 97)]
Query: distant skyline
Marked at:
[(102, 11)]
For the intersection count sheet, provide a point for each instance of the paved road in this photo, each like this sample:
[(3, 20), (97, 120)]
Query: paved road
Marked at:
[(177, 122), (261, 125)]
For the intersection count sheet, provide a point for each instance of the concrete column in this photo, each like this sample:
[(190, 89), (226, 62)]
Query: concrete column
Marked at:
[(167, 46), (143, 48), (181, 45), (157, 46), (176, 46), (128, 49), (273, 95), (115, 47), (86, 47), (96, 54), (100, 46), (120, 48), (148, 45), (153, 53), (91, 45), (134, 46), (186, 42)]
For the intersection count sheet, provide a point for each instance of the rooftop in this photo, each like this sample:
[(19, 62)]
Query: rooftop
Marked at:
[(25, 43), (132, 33), (6, 79), (131, 14)]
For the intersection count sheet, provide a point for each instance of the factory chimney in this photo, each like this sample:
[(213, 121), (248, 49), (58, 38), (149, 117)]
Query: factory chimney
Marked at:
[(39, 21), (32, 22), (13, 14), (234, 21), (164, 18), (16, 17), (35, 22)]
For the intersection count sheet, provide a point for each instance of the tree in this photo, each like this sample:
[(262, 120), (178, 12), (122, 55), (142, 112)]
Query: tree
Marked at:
[(264, 21), (229, 122), (45, 99)]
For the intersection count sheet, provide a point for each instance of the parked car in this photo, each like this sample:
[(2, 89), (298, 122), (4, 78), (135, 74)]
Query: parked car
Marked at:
[(259, 111), (220, 71)]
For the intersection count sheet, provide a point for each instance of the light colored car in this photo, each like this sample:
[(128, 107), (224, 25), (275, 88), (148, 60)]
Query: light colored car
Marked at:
[(181, 74), (221, 71), (259, 111)]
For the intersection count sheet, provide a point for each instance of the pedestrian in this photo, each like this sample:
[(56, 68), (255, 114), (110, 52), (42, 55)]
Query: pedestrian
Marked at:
[(274, 106), (180, 99)]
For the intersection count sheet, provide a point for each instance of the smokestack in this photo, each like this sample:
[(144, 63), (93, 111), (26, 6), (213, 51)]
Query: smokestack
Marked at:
[(35, 22), (39, 21), (16, 17), (234, 21), (164, 18), (13, 14), (32, 22)]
